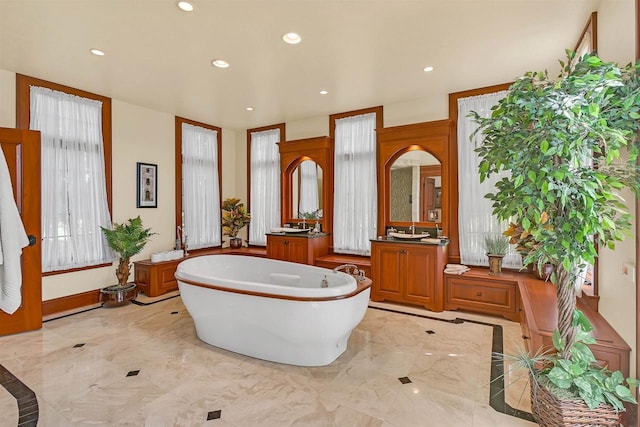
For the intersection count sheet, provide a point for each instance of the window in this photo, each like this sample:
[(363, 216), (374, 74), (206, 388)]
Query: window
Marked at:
[(198, 220), (475, 217), (355, 203), (75, 129), (588, 41), (264, 181)]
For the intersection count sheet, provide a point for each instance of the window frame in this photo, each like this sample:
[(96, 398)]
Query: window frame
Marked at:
[(23, 118), (178, 170), (282, 127)]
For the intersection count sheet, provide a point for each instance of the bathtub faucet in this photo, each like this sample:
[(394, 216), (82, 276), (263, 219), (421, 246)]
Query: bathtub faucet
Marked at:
[(351, 269)]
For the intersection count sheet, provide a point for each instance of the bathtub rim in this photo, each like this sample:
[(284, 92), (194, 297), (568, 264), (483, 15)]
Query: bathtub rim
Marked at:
[(361, 285)]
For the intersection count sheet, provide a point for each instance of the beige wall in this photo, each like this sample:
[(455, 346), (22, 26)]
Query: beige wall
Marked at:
[(616, 29)]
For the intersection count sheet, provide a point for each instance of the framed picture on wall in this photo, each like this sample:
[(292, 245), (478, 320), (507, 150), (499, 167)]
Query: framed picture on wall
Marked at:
[(438, 197), (147, 185)]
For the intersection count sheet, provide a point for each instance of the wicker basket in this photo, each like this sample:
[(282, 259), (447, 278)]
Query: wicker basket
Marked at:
[(550, 411)]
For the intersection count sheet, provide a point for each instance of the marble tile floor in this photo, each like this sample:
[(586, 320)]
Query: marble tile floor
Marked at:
[(399, 370)]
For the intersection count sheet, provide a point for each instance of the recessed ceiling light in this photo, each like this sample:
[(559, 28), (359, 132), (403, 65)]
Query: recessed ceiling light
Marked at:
[(97, 52), (185, 5), (427, 69), (249, 108), (292, 38), (220, 63), (323, 92)]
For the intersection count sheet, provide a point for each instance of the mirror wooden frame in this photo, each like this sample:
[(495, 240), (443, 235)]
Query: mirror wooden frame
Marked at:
[(292, 153), (432, 137)]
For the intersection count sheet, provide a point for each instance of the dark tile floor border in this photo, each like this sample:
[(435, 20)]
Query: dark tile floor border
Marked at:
[(496, 388), (28, 411)]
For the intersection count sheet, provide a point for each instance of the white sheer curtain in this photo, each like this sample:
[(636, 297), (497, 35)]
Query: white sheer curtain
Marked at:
[(308, 187), (474, 211), (200, 187), (265, 185), (74, 191), (355, 188)]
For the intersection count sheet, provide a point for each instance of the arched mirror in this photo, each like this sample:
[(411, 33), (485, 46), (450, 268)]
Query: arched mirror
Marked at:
[(306, 191), (415, 189)]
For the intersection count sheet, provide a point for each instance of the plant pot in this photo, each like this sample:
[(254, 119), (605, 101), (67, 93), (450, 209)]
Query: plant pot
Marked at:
[(235, 243), (495, 264), (116, 295), (550, 411)]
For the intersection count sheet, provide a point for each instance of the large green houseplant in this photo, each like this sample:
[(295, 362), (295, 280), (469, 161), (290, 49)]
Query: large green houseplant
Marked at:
[(570, 146), (126, 239)]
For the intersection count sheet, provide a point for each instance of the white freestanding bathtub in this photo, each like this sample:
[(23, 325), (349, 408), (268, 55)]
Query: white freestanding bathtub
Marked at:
[(272, 310)]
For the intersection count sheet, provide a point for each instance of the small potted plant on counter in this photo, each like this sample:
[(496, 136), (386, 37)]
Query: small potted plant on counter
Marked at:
[(126, 239), (496, 247), (234, 218)]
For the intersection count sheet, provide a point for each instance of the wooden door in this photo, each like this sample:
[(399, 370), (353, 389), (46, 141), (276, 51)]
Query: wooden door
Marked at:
[(420, 276), (427, 195), (386, 266), (298, 249), (22, 151), (277, 248)]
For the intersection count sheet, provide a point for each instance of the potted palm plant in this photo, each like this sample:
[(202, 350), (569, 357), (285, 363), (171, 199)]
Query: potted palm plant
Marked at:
[(570, 145), (126, 239), (234, 218)]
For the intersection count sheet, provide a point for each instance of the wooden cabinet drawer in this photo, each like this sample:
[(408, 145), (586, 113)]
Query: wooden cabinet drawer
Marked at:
[(484, 296)]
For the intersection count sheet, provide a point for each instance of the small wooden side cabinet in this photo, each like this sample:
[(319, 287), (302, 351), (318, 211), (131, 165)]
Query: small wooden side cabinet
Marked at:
[(539, 319), (156, 278), (300, 248), (478, 291)]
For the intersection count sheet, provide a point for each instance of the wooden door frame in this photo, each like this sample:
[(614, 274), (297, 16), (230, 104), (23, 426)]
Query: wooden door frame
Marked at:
[(27, 193)]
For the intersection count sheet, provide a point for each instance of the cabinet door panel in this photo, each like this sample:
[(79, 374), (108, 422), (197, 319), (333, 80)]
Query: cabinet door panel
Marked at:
[(386, 274), (277, 248), (167, 278), (420, 278), (297, 250)]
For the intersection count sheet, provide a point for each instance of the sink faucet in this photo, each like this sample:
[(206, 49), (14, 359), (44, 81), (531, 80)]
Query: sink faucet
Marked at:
[(412, 229)]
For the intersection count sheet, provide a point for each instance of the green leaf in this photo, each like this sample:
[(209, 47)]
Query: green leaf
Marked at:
[(518, 181), (623, 392), (558, 344), (544, 146), (579, 319), (559, 377), (594, 110)]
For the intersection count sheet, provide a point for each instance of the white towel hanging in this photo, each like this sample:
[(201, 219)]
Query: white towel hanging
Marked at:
[(12, 239)]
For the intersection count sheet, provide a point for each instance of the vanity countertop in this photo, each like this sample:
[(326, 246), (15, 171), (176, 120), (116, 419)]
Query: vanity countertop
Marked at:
[(300, 234), (431, 241)]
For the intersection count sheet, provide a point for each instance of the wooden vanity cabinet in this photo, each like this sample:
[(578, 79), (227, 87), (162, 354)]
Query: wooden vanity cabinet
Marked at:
[(303, 249), (408, 273)]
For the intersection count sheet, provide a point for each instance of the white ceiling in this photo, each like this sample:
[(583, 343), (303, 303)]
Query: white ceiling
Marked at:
[(365, 53)]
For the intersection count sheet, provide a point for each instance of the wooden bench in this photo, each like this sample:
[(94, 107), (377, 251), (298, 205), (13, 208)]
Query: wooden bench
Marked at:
[(539, 319)]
